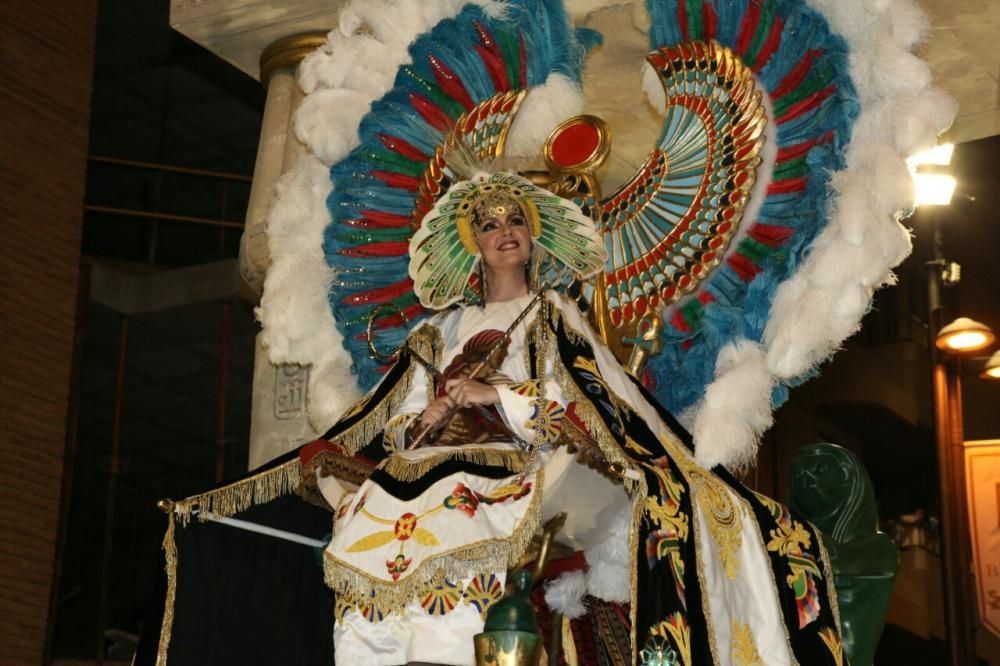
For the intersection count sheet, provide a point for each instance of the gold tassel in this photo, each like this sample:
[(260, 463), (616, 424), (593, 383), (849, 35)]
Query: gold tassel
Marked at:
[(403, 469), (170, 553), (426, 341), (241, 495)]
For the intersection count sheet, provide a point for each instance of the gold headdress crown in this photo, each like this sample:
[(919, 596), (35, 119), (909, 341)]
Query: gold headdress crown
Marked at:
[(494, 203), (443, 251)]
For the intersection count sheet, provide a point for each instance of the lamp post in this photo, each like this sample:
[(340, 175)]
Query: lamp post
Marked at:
[(934, 190), (962, 336)]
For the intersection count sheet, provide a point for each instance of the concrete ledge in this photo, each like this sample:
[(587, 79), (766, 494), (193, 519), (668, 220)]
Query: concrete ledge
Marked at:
[(132, 294)]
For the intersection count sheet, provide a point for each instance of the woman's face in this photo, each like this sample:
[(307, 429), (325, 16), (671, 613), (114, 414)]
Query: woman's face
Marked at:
[(505, 240)]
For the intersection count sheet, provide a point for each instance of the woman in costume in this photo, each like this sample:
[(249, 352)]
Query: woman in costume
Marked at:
[(471, 423)]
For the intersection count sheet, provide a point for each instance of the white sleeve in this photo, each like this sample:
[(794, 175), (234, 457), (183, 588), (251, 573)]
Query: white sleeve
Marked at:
[(415, 402), (517, 403)]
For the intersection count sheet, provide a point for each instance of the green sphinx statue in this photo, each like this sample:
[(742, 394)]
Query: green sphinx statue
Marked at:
[(830, 488)]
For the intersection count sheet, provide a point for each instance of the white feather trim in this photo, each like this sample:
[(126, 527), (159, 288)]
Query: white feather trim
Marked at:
[(544, 107), (822, 303), (297, 326), (742, 383), (565, 594), (359, 62), (608, 564), (327, 122), (885, 174), (908, 24)]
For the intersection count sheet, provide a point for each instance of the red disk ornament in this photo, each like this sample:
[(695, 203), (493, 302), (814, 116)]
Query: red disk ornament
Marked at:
[(582, 142)]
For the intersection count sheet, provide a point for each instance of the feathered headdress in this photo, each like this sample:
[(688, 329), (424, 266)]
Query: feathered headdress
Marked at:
[(444, 254)]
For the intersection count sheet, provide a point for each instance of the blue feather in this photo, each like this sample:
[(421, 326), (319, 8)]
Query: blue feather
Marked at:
[(687, 364)]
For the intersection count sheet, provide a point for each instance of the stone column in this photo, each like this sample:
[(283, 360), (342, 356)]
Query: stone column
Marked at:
[(266, 40), (278, 148), (278, 414)]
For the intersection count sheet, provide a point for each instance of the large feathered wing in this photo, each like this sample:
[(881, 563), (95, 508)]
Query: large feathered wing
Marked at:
[(461, 92), (758, 227)]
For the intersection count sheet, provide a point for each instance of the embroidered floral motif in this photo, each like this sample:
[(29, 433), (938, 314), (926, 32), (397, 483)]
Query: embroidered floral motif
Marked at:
[(371, 610), (547, 422), (657, 652), (511, 491), (403, 529), (594, 384), (790, 541), (833, 644), (482, 592), (529, 388), (664, 511), (441, 598), (723, 515), (744, 651), (404, 526), (361, 503), (462, 499), (398, 566), (675, 628), (341, 604)]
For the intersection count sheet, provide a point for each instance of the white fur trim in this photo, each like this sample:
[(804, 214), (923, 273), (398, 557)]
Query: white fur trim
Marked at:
[(327, 122), (543, 109), (297, 326), (565, 594), (608, 564), (743, 384)]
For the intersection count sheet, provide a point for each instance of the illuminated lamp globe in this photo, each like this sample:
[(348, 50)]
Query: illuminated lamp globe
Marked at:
[(992, 368), (964, 335)]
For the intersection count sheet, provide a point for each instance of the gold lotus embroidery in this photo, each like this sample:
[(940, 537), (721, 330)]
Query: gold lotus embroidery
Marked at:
[(744, 650), (833, 644), (724, 516), (676, 628), (633, 445)]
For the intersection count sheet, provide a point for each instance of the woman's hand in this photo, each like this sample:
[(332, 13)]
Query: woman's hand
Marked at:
[(436, 411), (468, 392)]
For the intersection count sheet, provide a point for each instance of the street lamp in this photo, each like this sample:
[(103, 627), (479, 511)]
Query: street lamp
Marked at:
[(992, 368), (961, 337), (964, 336)]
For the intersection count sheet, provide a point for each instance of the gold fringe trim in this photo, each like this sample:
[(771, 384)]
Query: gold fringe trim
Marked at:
[(166, 628), (358, 435), (410, 470), (241, 495), (828, 578), (426, 341), (488, 555), (758, 534), (638, 510), (595, 425), (606, 442)]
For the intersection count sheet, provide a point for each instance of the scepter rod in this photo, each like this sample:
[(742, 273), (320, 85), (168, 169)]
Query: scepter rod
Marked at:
[(474, 374)]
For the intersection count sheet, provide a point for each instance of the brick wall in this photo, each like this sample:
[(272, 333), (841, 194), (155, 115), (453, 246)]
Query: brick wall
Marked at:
[(46, 67)]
